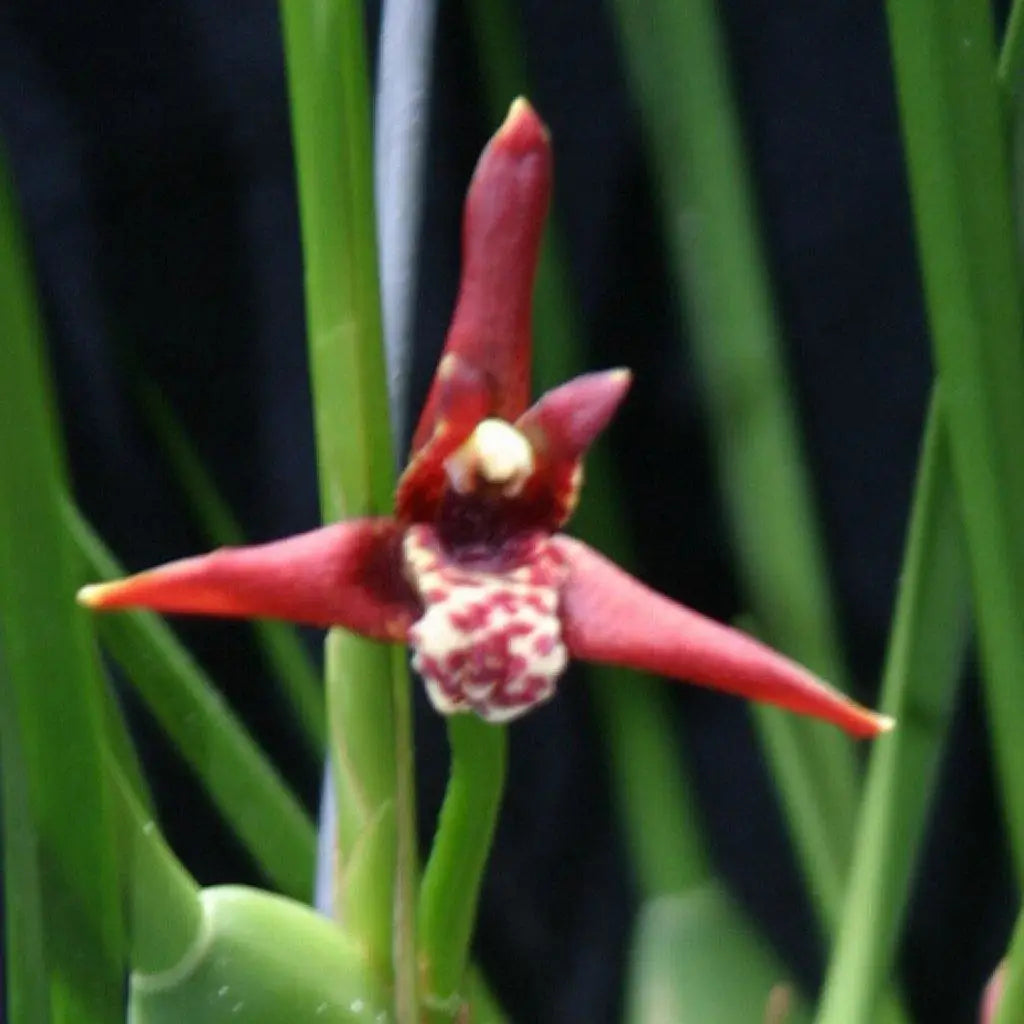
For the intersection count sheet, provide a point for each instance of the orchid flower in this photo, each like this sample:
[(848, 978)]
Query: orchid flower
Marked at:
[(470, 570)]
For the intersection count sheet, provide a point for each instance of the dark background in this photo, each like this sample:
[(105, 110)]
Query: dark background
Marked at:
[(150, 146)]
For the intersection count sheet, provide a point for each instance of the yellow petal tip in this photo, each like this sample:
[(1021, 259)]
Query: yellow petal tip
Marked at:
[(91, 595), (886, 723)]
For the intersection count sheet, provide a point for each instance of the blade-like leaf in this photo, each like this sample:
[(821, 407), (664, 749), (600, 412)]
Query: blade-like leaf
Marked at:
[(930, 629), (61, 871), (954, 129), (242, 783)]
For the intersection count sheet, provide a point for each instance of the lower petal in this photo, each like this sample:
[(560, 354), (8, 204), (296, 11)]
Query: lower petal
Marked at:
[(608, 616)]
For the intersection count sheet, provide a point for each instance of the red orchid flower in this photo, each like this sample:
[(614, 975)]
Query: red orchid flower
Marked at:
[(470, 570)]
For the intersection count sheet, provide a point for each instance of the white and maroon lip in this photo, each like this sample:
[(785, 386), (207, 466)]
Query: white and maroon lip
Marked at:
[(489, 640)]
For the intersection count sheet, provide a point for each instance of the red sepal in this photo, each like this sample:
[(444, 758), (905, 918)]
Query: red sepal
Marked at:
[(608, 616), (503, 220), (347, 574)]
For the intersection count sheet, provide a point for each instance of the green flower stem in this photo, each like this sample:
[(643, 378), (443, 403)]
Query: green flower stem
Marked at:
[(663, 827), (280, 643), (64, 921), (327, 83), (164, 913), (450, 889), (927, 647), (953, 128), (243, 784), (678, 62)]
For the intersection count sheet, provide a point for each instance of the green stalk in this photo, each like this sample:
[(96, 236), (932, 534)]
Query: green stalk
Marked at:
[(654, 793), (450, 890), (245, 787), (944, 64), (678, 61), (64, 920), (927, 647), (327, 84), (280, 643)]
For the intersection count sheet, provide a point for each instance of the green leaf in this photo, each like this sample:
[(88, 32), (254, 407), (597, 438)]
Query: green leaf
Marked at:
[(242, 783), (955, 138), (927, 648), (60, 856), (262, 959), (695, 960)]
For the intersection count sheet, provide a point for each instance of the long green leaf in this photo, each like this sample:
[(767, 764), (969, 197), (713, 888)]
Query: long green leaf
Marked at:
[(952, 119), (372, 740), (242, 783), (61, 869), (927, 647)]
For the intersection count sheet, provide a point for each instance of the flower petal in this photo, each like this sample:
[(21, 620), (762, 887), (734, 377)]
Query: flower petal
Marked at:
[(560, 427), (462, 401), (502, 224), (347, 574), (608, 616)]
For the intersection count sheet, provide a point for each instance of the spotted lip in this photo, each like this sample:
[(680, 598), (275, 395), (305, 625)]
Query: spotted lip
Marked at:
[(474, 576)]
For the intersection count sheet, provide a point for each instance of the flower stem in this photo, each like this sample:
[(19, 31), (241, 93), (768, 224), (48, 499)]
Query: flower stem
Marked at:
[(450, 890), (371, 717)]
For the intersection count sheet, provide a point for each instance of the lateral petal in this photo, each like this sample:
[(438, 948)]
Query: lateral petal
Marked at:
[(503, 220), (346, 574), (560, 426), (608, 616)]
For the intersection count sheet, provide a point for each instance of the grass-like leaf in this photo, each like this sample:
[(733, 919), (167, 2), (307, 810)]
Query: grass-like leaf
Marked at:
[(927, 646), (64, 916), (241, 782), (954, 131)]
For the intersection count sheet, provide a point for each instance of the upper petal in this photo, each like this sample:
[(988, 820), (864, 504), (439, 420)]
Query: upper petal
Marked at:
[(503, 220), (609, 616), (347, 574)]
